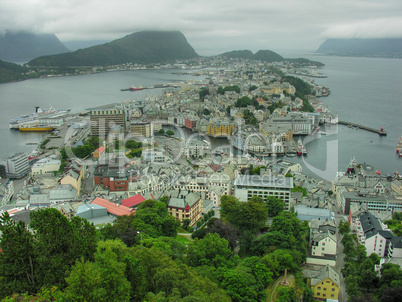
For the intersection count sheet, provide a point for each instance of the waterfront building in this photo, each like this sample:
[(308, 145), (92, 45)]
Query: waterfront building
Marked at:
[(103, 120), (396, 186), (220, 128), (17, 166), (301, 125), (191, 121), (194, 149), (247, 186)]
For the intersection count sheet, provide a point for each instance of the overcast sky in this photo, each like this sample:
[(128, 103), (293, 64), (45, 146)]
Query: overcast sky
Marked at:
[(210, 26)]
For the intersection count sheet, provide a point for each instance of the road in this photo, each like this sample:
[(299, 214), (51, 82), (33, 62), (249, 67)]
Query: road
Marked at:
[(340, 262)]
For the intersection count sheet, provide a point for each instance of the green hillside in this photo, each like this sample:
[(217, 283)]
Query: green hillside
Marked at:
[(142, 47), (262, 55), (10, 72)]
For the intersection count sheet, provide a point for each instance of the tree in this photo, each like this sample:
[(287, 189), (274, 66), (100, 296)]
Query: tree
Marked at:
[(275, 206), (286, 294), (17, 260), (59, 242), (161, 132), (344, 228), (251, 215), (211, 250), (225, 230), (169, 133), (102, 280)]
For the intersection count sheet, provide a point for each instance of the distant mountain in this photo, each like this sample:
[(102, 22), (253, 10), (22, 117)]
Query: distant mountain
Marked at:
[(262, 55), (388, 48), (239, 54), (75, 45), (143, 47), (22, 46)]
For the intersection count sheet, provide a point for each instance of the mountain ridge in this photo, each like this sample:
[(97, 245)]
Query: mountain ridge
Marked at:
[(142, 47), (24, 46)]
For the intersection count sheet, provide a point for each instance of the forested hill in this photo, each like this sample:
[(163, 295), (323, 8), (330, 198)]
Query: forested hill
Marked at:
[(142, 47), (10, 72), (270, 57), (263, 55), (387, 48), (23, 46)]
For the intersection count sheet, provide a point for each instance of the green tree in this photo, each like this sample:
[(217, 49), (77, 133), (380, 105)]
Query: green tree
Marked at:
[(275, 206), (102, 280), (286, 294), (161, 132), (211, 250), (18, 263), (343, 228), (169, 133), (59, 242)]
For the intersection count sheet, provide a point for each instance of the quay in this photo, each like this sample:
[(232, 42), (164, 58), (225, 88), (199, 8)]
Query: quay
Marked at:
[(380, 132)]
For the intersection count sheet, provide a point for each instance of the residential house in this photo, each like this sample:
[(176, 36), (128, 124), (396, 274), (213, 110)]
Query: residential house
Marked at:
[(325, 285), (188, 206)]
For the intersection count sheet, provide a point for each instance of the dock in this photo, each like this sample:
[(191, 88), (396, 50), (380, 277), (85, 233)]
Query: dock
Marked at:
[(380, 132)]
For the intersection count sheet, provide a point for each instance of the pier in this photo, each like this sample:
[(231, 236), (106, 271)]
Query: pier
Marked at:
[(380, 132)]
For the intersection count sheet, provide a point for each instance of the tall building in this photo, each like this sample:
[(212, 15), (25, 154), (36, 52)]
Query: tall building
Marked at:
[(17, 166), (247, 186), (103, 120)]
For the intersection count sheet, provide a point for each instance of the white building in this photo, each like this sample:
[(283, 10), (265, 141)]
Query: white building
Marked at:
[(46, 165), (195, 149), (323, 244), (17, 166), (247, 186)]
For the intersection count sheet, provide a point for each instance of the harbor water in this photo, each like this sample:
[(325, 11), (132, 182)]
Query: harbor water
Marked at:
[(364, 91)]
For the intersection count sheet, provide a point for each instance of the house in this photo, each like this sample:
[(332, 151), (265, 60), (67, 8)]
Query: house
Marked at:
[(186, 206), (99, 152), (133, 201), (323, 244), (325, 285), (112, 208)]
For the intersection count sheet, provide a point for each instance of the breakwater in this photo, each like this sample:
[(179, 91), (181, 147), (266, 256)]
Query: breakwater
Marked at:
[(380, 132)]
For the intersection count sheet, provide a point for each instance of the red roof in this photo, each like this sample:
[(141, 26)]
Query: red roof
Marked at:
[(100, 150), (112, 208), (132, 201)]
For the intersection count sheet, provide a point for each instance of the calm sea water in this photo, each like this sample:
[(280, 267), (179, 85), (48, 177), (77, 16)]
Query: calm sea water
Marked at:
[(366, 91)]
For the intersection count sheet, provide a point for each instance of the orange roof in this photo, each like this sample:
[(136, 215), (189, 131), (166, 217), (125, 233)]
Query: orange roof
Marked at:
[(132, 201), (100, 150), (112, 207)]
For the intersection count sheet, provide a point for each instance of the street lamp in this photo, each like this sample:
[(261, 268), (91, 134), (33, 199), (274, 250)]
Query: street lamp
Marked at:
[(141, 237)]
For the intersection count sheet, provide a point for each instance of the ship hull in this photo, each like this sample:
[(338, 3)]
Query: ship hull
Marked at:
[(35, 129)]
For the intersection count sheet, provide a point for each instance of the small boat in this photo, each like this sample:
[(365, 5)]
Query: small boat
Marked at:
[(133, 88), (290, 154), (322, 132)]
